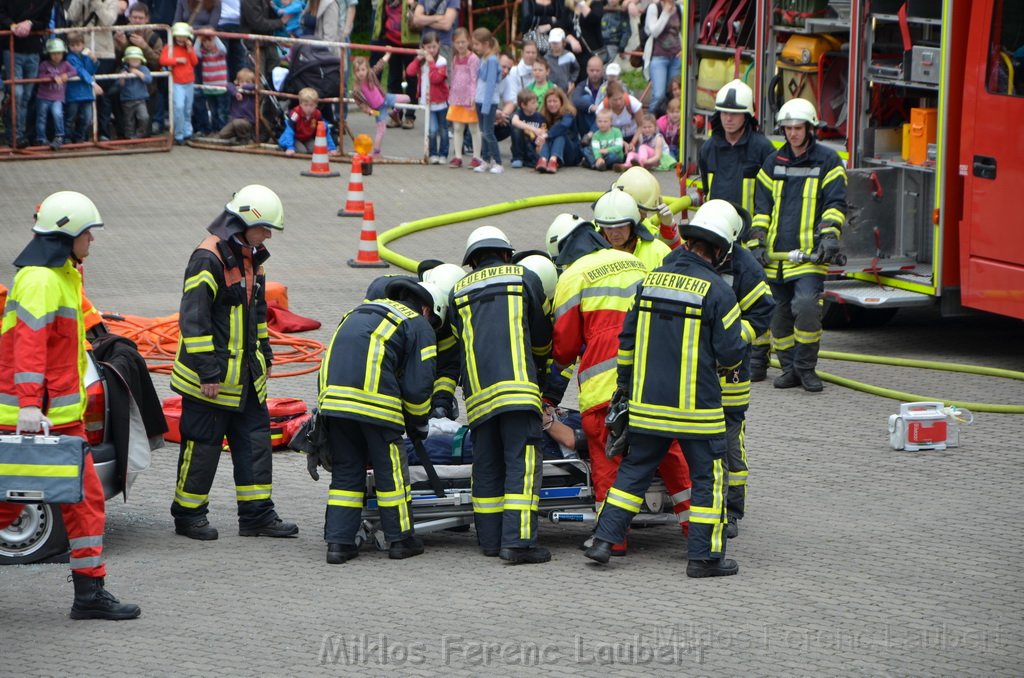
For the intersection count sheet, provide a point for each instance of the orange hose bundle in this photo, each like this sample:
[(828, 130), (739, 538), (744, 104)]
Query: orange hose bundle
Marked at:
[(157, 339)]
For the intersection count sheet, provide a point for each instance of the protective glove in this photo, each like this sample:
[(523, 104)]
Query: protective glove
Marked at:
[(617, 422), (445, 410), (417, 432), (31, 419), (312, 462), (757, 244), (664, 214), (828, 248)]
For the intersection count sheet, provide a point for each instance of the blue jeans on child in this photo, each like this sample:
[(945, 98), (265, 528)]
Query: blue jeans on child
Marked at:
[(490, 151), (439, 133), (523, 148), (46, 109), (184, 95), (78, 120)]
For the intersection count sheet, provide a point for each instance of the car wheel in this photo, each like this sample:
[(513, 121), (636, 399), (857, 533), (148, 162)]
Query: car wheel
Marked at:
[(37, 534)]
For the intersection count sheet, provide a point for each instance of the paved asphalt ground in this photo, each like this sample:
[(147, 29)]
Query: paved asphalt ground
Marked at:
[(854, 559)]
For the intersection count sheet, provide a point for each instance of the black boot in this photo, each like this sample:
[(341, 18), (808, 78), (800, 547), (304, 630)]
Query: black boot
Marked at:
[(732, 530), (723, 567), (92, 601), (758, 371), (406, 548), (340, 553), (536, 554), (201, 530), (810, 381), (787, 380), (275, 528), (600, 551)]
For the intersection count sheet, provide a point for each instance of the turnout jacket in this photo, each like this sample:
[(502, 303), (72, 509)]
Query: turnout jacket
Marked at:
[(684, 324), (745, 275), (497, 317), (591, 300), (223, 324), (729, 171), (794, 196), (379, 367), (42, 345), (447, 368)]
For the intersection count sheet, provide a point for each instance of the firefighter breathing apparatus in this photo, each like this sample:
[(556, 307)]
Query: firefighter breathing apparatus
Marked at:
[(958, 409)]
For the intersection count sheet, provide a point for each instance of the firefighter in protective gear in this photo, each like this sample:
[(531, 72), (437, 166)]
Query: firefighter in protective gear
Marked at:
[(443, 404), (746, 277), (800, 204), (43, 363), (542, 266), (591, 300), (497, 314), (376, 381), (683, 325), (221, 369), (729, 164), (646, 190), (617, 215)]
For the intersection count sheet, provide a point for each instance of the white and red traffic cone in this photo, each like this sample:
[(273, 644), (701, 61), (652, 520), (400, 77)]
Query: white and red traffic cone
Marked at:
[(368, 256)]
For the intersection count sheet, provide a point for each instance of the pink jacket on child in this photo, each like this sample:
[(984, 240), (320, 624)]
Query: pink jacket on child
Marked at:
[(462, 88)]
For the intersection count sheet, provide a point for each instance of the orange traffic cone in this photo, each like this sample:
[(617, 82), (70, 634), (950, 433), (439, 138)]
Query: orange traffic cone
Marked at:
[(321, 165), (354, 201), (367, 257)]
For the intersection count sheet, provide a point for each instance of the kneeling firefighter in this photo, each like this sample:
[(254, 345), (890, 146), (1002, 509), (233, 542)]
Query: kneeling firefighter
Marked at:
[(376, 380)]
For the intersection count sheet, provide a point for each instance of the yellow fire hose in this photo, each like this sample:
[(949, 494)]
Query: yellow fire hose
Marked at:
[(678, 205)]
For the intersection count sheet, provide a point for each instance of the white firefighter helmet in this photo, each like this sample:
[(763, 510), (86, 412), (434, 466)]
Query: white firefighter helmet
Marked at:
[(438, 300), (642, 185), (485, 237), (560, 227), (796, 111), (542, 266), (444, 276), (735, 97), (66, 213), (257, 205), (713, 223), (181, 30), (615, 208)]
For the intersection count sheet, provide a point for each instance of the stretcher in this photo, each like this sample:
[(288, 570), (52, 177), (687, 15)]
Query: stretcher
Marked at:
[(566, 496)]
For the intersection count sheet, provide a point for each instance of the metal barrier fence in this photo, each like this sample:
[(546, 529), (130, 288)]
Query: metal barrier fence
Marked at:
[(95, 145)]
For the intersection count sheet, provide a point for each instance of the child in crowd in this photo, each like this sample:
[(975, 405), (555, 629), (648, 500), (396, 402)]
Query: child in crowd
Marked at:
[(612, 73), (487, 99), (80, 94), (182, 60), (370, 96), (300, 126), (50, 97), (461, 96), (559, 142), (213, 64), (648, 145), (565, 70), (523, 70), (242, 113), (606, 143), (437, 68), (625, 109), (541, 84), (135, 93), (668, 125), (291, 11), (526, 123)]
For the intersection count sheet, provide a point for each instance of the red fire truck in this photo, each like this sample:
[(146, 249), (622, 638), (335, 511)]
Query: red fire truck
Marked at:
[(924, 101)]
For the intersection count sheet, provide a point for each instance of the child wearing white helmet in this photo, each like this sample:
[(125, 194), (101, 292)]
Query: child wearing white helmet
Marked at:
[(50, 97), (181, 59)]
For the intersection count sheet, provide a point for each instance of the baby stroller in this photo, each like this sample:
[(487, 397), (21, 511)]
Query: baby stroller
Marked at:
[(317, 67)]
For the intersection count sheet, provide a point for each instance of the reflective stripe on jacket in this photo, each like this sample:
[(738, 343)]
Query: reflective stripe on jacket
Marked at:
[(42, 345), (223, 324), (684, 324), (729, 171), (744, 274), (591, 300), (793, 196), (379, 367), (498, 319)]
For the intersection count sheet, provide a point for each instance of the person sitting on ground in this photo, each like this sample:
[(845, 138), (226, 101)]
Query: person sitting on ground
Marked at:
[(301, 124), (626, 109), (558, 144), (242, 111), (527, 122), (648, 145), (541, 85), (606, 144)]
